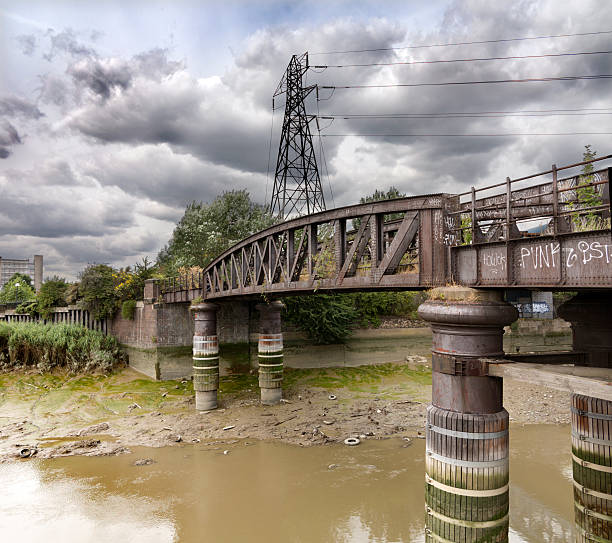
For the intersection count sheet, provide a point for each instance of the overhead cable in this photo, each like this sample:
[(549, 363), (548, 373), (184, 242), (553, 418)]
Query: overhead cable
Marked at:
[(484, 82), (514, 57), (487, 135), (463, 43)]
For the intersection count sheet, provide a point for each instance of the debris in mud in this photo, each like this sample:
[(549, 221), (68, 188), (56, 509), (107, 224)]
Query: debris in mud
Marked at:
[(352, 441), (27, 452), (229, 427), (333, 466), (95, 429), (143, 462), (68, 448)]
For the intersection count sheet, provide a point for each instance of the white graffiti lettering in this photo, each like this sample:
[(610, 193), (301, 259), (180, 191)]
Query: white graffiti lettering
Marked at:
[(496, 262), (540, 256)]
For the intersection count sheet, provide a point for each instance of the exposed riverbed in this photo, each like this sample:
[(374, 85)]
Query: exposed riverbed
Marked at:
[(122, 458)]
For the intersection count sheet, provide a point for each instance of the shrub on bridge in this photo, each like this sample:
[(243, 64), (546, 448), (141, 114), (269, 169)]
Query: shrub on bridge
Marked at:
[(50, 346)]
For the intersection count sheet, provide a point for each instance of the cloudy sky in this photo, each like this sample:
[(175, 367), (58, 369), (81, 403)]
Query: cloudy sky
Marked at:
[(114, 115)]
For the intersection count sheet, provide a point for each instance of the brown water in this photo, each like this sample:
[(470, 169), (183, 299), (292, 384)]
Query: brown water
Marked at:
[(269, 492)]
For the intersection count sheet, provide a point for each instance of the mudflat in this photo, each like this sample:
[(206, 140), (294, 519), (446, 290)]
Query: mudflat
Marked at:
[(51, 415)]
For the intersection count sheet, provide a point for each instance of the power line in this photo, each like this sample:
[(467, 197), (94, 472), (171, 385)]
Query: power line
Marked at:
[(485, 82), (463, 43), (514, 57), (457, 116), (475, 112), (489, 135)]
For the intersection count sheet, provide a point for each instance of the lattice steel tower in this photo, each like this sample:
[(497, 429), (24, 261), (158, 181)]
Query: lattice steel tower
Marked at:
[(297, 185)]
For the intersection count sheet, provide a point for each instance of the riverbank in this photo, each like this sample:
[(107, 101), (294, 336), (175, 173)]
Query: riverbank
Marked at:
[(63, 415)]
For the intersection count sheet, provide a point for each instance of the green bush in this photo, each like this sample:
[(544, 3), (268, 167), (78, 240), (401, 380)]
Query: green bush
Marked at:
[(52, 294), (97, 290), (49, 346), (370, 306), (326, 318), (128, 308), (18, 289)]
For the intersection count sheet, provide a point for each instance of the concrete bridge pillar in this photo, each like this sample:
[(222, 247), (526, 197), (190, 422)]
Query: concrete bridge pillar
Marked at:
[(270, 352), (590, 315), (592, 468), (467, 426), (205, 356)]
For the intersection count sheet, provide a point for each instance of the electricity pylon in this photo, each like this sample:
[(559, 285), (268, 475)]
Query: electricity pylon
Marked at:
[(297, 185)]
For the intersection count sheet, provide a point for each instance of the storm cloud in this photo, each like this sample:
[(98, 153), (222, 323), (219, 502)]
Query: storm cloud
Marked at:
[(117, 134)]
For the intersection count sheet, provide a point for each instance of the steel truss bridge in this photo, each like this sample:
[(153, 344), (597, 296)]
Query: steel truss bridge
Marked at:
[(538, 231)]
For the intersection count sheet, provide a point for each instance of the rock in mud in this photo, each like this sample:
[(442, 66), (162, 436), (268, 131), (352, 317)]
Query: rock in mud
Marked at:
[(95, 429), (144, 462)]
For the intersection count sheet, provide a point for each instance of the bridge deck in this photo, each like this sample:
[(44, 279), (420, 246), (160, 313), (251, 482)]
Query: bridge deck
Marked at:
[(508, 235)]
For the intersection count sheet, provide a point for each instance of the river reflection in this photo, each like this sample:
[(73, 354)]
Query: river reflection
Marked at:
[(263, 491)]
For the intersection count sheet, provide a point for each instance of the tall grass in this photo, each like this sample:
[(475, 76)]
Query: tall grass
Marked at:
[(48, 346)]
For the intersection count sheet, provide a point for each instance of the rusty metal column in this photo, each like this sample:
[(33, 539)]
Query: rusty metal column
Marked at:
[(467, 427), (270, 352), (592, 468), (591, 319), (205, 356)]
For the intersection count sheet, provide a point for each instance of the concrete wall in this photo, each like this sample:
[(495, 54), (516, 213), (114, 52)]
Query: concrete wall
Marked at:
[(158, 340)]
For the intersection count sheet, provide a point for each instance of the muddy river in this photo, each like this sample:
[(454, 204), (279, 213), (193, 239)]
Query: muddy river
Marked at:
[(267, 492)]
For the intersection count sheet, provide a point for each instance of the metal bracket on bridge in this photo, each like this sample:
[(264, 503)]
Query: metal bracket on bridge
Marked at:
[(459, 365)]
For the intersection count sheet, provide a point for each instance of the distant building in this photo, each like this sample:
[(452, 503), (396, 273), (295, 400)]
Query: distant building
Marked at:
[(31, 268)]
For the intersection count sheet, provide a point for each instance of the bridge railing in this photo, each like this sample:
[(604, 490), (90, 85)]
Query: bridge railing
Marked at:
[(518, 208), (382, 245)]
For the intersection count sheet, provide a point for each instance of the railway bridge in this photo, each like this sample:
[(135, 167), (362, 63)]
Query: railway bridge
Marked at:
[(543, 231)]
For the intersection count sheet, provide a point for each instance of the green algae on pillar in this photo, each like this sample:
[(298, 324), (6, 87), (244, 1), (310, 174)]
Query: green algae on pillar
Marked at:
[(270, 352), (466, 478), (205, 356), (592, 468)]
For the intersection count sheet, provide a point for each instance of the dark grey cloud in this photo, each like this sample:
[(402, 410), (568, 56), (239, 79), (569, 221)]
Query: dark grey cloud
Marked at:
[(8, 137), (100, 77), (67, 42), (15, 106), (27, 43)]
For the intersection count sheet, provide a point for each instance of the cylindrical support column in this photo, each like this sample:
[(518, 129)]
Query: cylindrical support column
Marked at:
[(592, 468), (591, 320), (270, 352), (205, 356), (467, 427)]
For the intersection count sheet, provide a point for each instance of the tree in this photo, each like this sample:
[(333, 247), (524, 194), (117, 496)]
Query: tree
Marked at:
[(52, 294), (97, 290), (326, 318), (587, 196), (206, 230), (378, 196), (18, 289)]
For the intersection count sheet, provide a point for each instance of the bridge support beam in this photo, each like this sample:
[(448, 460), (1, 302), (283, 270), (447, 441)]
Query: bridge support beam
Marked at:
[(205, 356), (592, 468), (467, 426), (270, 352), (591, 320)]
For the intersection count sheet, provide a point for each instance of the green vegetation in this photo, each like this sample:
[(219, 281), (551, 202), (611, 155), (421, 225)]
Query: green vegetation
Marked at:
[(330, 318), (18, 289), (128, 308), (379, 196), (52, 294), (97, 290), (206, 230), (587, 196), (47, 346), (326, 318)]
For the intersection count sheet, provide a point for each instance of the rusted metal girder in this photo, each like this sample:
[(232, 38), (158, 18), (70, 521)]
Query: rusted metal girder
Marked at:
[(366, 246)]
